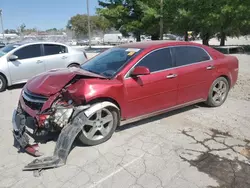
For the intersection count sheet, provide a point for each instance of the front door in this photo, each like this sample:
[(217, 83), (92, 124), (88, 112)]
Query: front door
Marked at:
[(153, 92), (29, 63), (56, 56), (195, 70)]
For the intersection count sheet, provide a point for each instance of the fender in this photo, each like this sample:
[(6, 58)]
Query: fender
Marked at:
[(95, 107)]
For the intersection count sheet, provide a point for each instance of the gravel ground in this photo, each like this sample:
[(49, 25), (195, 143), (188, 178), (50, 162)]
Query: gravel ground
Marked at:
[(194, 147)]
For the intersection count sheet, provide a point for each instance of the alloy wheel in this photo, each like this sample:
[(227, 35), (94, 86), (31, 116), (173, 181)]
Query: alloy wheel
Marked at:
[(99, 125), (219, 91)]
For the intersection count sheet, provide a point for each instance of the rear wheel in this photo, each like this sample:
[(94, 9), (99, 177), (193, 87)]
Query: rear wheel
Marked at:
[(3, 83), (99, 127), (218, 92)]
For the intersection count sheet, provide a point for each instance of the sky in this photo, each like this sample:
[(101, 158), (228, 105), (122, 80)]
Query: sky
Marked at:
[(43, 14)]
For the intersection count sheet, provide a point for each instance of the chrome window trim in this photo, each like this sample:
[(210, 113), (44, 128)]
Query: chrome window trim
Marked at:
[(127, 74)]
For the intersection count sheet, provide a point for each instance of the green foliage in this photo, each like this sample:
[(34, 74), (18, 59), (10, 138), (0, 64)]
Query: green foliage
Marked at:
[(207, 17), (79, 24)]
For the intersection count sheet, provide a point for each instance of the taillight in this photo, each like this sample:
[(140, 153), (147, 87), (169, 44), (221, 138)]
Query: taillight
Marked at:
[(85, 55)]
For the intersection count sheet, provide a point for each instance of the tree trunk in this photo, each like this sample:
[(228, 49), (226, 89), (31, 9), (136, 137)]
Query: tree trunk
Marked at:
[(222, 38), (205, 39), (186, 36), (155, 36), (138, 37)]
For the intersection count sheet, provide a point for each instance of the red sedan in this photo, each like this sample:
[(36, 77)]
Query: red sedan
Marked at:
[(123, 84)]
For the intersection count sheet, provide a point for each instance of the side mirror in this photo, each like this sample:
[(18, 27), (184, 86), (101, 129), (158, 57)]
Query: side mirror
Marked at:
[(13, 57), (140, 70)]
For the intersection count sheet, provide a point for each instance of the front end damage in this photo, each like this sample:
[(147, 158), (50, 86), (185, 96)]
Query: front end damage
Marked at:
[(39, 119)]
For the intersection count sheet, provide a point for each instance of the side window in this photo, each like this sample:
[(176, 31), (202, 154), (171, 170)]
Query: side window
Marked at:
[(30, 51), (157, 60), (185, 55), (53, 49)]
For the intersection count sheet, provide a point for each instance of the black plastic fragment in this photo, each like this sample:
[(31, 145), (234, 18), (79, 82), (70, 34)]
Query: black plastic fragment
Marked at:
[(63, 146)]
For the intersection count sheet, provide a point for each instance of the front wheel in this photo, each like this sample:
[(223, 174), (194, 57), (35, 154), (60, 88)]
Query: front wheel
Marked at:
[(218, 92), (99, 127), (3, 83)]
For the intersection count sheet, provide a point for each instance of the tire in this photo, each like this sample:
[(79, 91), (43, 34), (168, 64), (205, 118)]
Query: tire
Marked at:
[(74, 65), (218, 92), (3, 83), (97, 139)]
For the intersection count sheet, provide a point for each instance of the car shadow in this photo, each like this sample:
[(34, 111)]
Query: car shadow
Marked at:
[(17, 86), (158, 117)]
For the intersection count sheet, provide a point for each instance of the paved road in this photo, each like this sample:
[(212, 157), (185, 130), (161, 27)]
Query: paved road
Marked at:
[(195, 147)]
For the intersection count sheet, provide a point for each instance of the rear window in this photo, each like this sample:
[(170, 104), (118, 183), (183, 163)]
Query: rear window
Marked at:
[(185, 55), (53, 49)]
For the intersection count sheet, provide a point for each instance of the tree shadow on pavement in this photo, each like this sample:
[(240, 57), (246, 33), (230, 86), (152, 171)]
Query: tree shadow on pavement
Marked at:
[(229, 171)]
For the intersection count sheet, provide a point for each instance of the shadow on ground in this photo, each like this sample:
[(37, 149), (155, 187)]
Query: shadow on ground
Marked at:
[(158, 117), (228, 173), (18, 86)]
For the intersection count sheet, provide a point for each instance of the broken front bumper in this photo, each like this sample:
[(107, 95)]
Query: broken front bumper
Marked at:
[(19, 122), (63, 144)]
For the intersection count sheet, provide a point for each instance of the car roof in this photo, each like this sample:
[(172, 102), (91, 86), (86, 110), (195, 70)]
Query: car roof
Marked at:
[(157, 44)]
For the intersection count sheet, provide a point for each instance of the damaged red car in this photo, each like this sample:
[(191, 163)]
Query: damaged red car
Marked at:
[(121, 85)]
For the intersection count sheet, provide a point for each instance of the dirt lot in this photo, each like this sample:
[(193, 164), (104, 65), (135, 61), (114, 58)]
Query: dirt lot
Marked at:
[(194, 147)]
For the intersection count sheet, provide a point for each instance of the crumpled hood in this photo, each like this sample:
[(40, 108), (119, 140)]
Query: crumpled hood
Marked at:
[(51, 82)]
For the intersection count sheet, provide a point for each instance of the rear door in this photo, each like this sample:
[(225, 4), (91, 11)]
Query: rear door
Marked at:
[(56, 56), (29, 63), (196, 72), (153, 92)]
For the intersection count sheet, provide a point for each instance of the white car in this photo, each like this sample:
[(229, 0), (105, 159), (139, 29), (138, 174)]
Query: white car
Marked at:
[(21, 61)]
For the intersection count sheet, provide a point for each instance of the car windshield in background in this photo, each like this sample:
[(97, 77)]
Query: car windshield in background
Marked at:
[(110, 62), (7, 49)]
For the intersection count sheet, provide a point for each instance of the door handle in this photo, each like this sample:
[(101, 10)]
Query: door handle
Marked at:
[(39, 61), (64, 57), (210, 67), (171, 76)]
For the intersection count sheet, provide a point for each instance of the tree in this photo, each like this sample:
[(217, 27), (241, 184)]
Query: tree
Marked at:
[(125, 16), (22, 28), (100, 23), (78, 24), (233, 19), (207, 17), (10, 31)]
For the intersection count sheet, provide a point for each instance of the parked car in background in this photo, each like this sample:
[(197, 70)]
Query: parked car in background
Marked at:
[(71, 42), (172, 37), (113, 39), (1, 44), (21, 61), (121, 85), (82, 42), (96, 41), (145, 38)]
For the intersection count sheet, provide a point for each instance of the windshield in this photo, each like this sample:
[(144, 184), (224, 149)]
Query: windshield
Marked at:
[(110, 62), (7, 49)]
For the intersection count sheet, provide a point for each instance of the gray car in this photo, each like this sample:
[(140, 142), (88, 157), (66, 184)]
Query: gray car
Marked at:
[(21, 61)]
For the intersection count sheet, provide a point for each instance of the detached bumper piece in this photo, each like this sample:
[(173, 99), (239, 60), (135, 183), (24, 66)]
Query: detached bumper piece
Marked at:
[(20, 135), (63, 146)]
